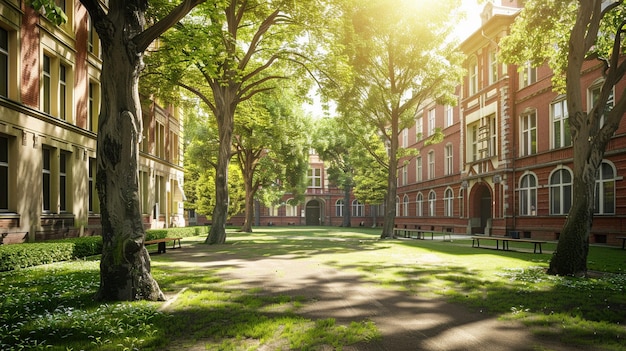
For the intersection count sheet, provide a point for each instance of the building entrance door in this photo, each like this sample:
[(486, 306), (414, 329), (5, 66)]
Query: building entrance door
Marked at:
[(313, 212), (481, 206)]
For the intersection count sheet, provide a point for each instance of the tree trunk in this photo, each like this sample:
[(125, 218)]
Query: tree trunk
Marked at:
[(570, 257), (125, 263), (248, 177), (392, 187), (347, 190), (225, 123)]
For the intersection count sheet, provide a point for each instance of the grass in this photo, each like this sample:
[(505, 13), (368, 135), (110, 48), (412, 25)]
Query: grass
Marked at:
[(51, 306)]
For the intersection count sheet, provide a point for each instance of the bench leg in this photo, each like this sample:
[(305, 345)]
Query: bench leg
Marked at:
[(161, 247), (539, 247), (623, 244)]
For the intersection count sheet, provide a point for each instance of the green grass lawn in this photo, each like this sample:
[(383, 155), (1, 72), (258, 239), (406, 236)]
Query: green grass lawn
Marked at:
[(50, 306)]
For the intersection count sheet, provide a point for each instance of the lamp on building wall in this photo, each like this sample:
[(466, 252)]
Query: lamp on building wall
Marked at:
[(464, 184), (496, 179)]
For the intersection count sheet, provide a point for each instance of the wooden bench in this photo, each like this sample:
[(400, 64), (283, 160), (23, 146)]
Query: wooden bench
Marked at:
[(623, 241), (505, 242), (421, 233), (161, 247)]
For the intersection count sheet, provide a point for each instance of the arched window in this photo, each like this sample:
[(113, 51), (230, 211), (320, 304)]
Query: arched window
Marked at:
[(405, 205), (560, 191), (432, 198), (462, 202), (448, 203), (528, 195), (357, 208), (339, 208), (397, 205), (605, 189), (290, 210), (419, 202)]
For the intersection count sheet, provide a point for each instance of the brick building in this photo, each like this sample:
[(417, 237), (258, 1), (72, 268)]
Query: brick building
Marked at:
[(49, 103)]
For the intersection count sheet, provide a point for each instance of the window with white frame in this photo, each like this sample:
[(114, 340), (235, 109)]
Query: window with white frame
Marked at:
[(528, 195), (432, 199), (64, 187), (528, 140), (93, 198), (46, 179), (405, 174), (418, 169), (273, 211), (449, 115), (405, 205), (431, 121), (46, 85), (605, 190), (290, 210), (4, 62), (397, 205), (448, 203), (493, 66), (419, 128), (527, 75), (405, 137), (431, 164), (560, 192), (4, 173), (93, 109), (315, 177), (358, 209), (56, 89), (63, 92), (419, 203), (561, 134), (462, 202), (449, 162), (473, 76), (594, 94), (339, 208)]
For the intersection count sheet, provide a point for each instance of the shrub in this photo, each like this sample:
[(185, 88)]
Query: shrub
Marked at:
[(31, 254), (152, 234)]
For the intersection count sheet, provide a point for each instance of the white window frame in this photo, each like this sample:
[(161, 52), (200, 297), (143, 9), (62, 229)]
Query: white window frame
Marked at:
[(561, 192), (431, 164), (528, 195), (448, 202), (561, 134), (449, 160), (605, 189), (528, 130)]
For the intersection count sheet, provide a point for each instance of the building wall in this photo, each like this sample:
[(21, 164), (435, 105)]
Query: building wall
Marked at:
[(48, 130)]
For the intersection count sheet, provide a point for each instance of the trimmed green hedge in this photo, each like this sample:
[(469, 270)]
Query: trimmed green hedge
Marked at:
[(32, 254), (182, 232)]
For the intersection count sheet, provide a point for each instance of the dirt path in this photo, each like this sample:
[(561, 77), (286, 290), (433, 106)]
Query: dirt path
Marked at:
[(406, 322)]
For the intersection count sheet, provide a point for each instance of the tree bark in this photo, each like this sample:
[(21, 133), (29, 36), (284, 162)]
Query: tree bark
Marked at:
[(347, 190), (392, 182), (248, 178), (125, 263)]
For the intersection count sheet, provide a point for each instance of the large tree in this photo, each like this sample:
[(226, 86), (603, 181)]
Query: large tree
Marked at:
[(271, 147), (121, 26), (566, 34), (228, 52), (401, 56)]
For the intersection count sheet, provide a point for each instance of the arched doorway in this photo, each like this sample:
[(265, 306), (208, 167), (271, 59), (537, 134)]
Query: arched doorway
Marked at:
[(481, 209), (313, 212)]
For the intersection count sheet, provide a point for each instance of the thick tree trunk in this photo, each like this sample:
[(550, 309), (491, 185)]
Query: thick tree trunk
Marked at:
[(249, 205), (225, 119), (125, 263), (347, 190), (390, 199)]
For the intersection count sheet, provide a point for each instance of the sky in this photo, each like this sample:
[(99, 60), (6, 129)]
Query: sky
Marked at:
[(467, 26)]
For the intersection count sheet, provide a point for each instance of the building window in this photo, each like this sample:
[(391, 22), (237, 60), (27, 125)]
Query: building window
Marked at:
[(418, 168), (290, 210), (561, 134), (528, 140), (92, 184), (483, 137), (405, 174), (527, 75), (46, 83), (47, 175), (473, 76), (448, 203), (461, 202), (605, 190), (160, 140), (419, 202), (93, 107), (4, 63), (493, 66), (419, 128), (431, 164), (449, 116), (431, 121), (315, 177), (594, 94), (358, 209), (432, 198), (397, 205), (405, 137), (63, 92), (405, 205), (4, 173), (63, 179), (273, 211), (339, 208), (449, 163), (528, 195), (560, 192)]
